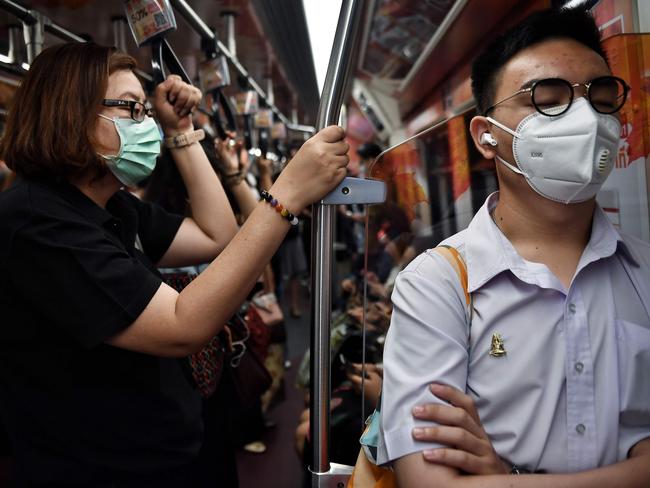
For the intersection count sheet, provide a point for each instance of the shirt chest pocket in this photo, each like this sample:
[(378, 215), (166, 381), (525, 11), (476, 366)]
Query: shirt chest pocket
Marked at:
[(633, 372)]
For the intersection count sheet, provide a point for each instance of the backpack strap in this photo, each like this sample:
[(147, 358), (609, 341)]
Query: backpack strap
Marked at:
[(457, 262)]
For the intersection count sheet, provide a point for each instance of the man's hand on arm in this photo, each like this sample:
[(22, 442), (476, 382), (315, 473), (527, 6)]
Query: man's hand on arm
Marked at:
[(460, 428), (470, 462)]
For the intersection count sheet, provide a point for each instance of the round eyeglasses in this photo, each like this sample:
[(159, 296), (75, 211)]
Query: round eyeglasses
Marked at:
[(138, 109), (553, 96)]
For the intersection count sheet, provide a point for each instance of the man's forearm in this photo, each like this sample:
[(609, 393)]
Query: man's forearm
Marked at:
[(631, 473), (414, 472)]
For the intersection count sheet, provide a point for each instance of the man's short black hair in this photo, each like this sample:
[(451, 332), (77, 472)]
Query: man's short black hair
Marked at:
[(576, 24)]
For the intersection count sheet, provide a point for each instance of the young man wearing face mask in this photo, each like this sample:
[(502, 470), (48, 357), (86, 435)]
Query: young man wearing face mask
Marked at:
[(547, 376)]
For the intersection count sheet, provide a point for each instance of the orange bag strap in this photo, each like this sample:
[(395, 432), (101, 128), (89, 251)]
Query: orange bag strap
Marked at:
[(458, 263)]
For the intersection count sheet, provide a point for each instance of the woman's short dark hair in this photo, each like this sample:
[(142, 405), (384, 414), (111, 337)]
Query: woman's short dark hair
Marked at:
[(49, 132), (576, 24)]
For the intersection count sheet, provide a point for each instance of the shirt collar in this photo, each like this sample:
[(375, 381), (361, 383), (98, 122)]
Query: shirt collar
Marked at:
[(488, 251), (484, 256), (117, 217), (606, 240)]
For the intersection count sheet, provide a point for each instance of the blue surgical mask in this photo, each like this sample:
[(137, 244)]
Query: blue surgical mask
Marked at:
[(139, 148)]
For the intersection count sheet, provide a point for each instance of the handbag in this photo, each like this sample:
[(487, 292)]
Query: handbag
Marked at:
[(267, 306), (249, 376), (204, 368), (259, 334), (366, 473)]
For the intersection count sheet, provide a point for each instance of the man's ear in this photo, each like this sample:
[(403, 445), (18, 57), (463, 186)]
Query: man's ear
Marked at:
[(478, 126)]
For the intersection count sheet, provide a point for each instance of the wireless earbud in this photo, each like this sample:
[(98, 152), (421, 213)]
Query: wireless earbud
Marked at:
[(486, 138)]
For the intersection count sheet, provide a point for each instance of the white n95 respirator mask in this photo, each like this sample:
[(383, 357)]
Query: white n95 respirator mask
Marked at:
[(565, 158)]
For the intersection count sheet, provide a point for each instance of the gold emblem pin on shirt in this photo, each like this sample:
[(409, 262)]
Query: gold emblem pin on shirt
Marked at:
[(496, 348)]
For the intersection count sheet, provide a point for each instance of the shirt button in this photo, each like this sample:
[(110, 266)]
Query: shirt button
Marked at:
[(580, 429), (579, 367), (572, 307)]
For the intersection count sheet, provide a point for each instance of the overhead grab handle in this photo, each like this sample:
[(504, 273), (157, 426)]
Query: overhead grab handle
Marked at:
[(247, 106), (214, 75), (150, 21)]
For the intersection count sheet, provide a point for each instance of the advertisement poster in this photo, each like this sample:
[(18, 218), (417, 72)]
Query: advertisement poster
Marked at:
[(263, 118), (149, 18), (624, 196), (214, 73), (614, 17), (247, 103)]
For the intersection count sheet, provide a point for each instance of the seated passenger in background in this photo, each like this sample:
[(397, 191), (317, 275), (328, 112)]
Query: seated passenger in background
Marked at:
[(550, 370)]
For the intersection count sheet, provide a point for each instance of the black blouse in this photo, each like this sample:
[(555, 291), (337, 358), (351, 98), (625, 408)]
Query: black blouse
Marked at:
[(71, 276)]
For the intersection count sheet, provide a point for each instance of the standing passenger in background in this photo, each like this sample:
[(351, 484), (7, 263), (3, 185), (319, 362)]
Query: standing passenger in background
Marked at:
[(547, 369), (91, 387)]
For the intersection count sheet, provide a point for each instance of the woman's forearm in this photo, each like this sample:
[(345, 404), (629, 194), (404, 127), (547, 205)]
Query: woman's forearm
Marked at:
[(245, 197), (265, 181), (210, 207), (216, 293)]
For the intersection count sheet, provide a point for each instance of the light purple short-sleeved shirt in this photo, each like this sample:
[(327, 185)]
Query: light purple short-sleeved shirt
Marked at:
[(572, 391)]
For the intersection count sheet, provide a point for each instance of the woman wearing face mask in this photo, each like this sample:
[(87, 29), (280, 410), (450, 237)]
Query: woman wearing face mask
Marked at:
[(91, 387)]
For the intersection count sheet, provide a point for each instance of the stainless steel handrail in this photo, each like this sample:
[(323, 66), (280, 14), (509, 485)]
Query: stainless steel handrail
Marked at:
[(17, 11), (196, 23), (62, 33), (334, 89), (14, 69), (30, 17)]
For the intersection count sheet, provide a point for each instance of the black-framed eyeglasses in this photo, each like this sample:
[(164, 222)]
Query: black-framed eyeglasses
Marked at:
[(554, 96), (138, 110)]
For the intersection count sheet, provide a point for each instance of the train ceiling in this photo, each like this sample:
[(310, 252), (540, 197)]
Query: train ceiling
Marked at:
[(266, 45)]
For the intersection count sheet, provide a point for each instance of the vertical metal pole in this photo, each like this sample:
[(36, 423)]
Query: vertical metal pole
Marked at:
[(270, 96), (119, 24), (231, 40), (34, 34), (14, 53), (338, 70)]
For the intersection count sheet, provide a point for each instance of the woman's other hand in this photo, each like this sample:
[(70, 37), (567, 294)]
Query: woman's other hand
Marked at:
[(265, 167), (314, 171), (460, 428), (174, 101), (228, 157)]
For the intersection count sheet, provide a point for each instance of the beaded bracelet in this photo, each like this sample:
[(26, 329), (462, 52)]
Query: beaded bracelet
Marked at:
[(279, 208)]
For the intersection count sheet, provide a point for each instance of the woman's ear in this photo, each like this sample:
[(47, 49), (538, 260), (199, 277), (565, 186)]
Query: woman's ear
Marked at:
[(479, 128)]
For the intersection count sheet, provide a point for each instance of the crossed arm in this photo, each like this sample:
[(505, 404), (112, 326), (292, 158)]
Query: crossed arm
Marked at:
[(460, 427)]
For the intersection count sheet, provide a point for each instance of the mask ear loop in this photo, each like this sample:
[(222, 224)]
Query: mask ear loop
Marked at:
[(503, 127), (110, 158), (510, 166)]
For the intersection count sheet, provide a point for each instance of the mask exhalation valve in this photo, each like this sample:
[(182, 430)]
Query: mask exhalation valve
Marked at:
[(603, 161)]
